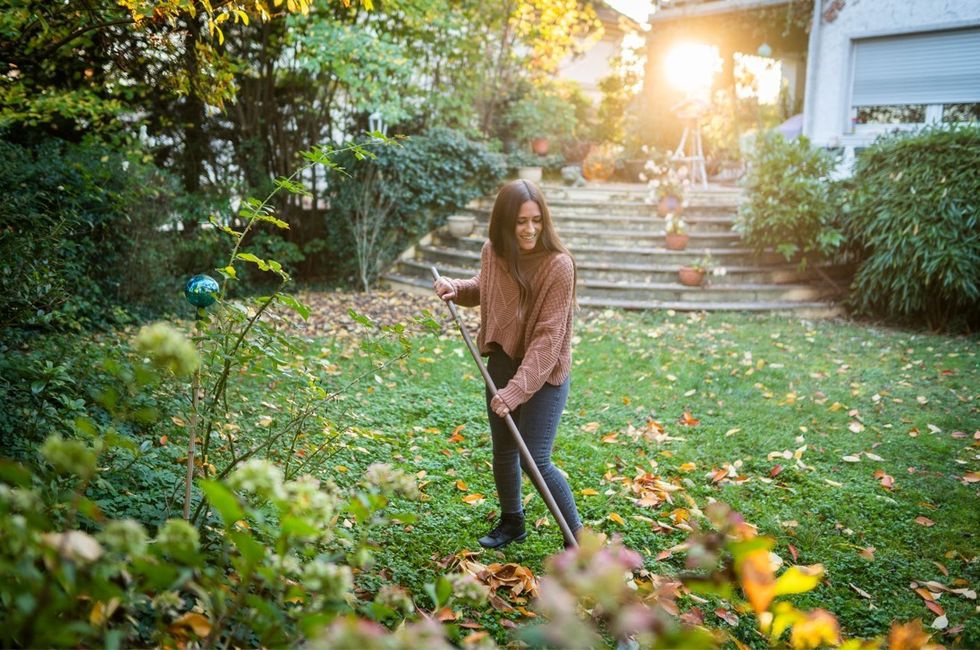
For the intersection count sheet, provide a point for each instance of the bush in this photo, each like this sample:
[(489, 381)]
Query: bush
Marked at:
[(404, 192), (78, 219), (792, 205), (914, 221)]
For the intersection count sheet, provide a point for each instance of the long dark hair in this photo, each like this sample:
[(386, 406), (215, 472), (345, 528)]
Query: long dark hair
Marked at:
[(503, 222)]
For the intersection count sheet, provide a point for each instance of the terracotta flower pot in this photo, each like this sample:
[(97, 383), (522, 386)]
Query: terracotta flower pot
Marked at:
[(676, 241), (540, 146), (669, 204), (690, 277)]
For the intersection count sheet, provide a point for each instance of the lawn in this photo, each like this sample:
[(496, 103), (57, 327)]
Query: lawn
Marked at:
[(853, 446)]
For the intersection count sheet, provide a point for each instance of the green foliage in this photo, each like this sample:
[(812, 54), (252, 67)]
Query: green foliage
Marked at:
[(913, 218), (792, 206), (79, 219), (542, 114), (401, 193)]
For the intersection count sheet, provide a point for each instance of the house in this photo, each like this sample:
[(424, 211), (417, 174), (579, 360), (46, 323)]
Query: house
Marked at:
[(880, 65), (871, 66)]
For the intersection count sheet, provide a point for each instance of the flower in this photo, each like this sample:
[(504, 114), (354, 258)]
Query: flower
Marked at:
[(167, 349), (663, 178), (178, 538), (674, 224), (260, 477), (125, 536), (389, 480), (69, 456), (704, 264)]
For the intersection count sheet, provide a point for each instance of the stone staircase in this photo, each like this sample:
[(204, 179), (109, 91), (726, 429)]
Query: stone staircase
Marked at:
[(618, 244)]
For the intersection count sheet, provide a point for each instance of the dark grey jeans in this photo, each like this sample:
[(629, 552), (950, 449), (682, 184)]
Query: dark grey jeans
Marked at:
[(537, 420)]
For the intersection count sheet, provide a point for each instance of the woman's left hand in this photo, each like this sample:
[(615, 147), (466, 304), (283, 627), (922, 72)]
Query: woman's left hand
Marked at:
[(498, 406)]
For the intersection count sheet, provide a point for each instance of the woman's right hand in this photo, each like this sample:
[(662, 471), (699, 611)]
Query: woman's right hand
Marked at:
[(445, 289)]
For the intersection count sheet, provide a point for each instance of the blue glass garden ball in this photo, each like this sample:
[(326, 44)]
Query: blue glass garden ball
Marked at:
[(200, 290)]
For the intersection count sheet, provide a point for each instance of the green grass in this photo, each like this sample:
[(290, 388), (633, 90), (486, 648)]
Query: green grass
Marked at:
[(758, 384)]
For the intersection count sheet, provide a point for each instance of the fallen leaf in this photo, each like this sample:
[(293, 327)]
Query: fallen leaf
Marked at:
[(887, 481), (727, 616), (861, 592), (971, 477), (197, 623), (588, 492), (689, 420), (855, 426), (792, 551), (868, 553), (775, 471), (924, 521), (473, 499), (687, 467), (461, 485), (941, 623), (935, 608), (615, 517), (851, 459)]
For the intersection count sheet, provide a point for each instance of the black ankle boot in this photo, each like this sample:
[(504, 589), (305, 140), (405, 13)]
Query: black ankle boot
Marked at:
[(509, 529)]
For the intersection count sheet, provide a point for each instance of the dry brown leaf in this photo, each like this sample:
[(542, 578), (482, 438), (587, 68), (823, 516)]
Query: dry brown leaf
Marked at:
[(924, 521)]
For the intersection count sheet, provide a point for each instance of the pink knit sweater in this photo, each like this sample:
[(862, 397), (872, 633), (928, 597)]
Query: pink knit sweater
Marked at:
[(544, 338)]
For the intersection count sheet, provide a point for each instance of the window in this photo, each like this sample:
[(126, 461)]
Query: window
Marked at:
[(908, 80)]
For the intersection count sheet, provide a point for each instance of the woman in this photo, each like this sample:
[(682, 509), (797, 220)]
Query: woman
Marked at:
[(526, 288)]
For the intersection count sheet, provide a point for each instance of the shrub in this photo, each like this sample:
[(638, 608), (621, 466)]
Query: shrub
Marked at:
[(792, 204), (402, 193), (78, 219), (914, 221)]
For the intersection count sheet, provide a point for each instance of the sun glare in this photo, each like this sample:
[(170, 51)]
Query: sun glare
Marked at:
[(691, 67), (758, 77)]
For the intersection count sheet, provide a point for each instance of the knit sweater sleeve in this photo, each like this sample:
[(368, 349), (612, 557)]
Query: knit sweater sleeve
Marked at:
[(468, 291), (541, 352)]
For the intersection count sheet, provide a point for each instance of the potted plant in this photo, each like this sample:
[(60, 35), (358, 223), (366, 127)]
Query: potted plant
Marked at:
[(666, 184), (675, 230), (526, 165), (461, 225), (693, 274), (599, 165), (539, 118)]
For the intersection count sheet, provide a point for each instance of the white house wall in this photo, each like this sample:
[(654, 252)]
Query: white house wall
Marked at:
[(828, 93)]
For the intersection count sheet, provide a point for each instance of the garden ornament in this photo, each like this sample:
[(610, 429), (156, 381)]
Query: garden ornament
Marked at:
[(526, 459), (200, 290)]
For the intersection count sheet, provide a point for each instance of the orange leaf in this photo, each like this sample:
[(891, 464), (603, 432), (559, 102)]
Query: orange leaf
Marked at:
[(758, 581), (457, 436), (689, 420), (588, 492), (924, 521), (719, 474), (615, 517), (461, 485), (473, 499), (817, 630), (610, 438), (887, 481), (687, 467), (925, 594), (775, 471), (935, 608), (197, 623), (446, 614), (907, 636)]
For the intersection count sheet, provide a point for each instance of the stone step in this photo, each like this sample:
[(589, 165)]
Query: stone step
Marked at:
[(716, 288), (468, 248), (612, 208), (690, 300), (573, 237), (601, 225), (615, 272)]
